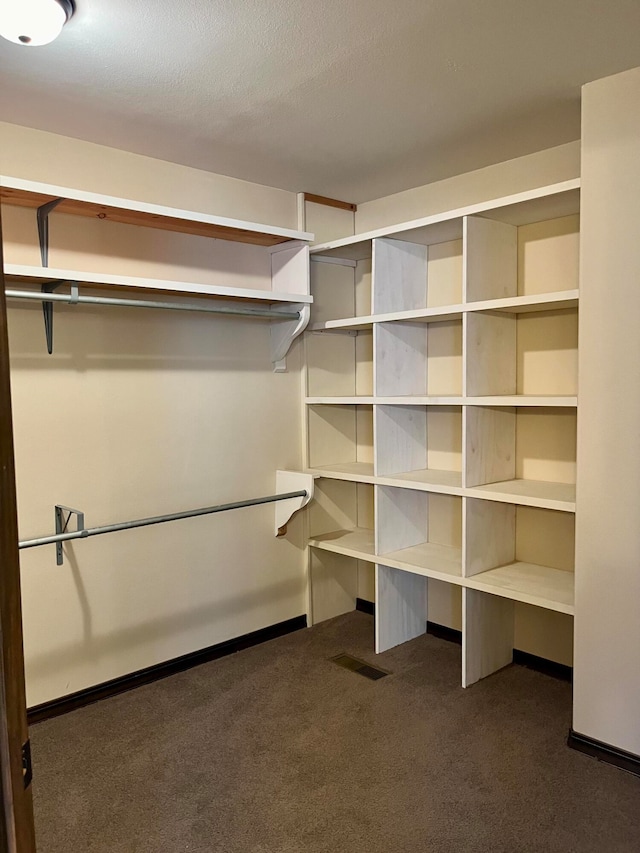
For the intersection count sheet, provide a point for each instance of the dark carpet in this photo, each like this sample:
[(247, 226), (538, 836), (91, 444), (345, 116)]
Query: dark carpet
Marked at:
[(276, 749)]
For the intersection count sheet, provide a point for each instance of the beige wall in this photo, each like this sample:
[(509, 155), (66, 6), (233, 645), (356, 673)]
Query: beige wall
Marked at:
[(47, 157), (607, 674), (524, 173), (140, 413)]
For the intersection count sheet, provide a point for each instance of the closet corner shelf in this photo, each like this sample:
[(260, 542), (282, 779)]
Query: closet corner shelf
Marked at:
[(441, 562), (535, 493), (537, 302), (548, 202), (23, 274), (524, 400), (356, 472), (390, 401), (34, 194), (425, 479), (418, 315), (552, 589), (357, 542), (553, 301)]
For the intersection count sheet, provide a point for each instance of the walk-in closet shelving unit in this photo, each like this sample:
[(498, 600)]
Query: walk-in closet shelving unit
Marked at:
[(273, 261), (441, 418)]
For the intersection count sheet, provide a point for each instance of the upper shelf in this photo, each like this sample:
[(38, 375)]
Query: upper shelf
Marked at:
[(21, 274), (549, 202), (77, 202)]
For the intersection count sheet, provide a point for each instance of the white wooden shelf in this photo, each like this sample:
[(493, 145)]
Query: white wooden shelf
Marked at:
[(422, 315), (440, 562), (530, 584), (549, 202), (22, 274), (356, 472), (525, 304), (358, 543), (427, 479), (16, 191), (445, 392), (386, 401), (515, 400), (536, 493), (513, 305)]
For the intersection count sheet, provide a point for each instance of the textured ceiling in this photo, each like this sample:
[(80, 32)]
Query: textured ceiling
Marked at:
[(348, 98)]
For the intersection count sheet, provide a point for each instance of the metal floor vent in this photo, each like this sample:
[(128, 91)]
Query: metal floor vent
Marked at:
[(360, 667)]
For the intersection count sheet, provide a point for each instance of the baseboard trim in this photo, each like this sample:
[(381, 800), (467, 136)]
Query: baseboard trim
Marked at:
[(57, 707), (604, 752), (442, 632), (547, 667)]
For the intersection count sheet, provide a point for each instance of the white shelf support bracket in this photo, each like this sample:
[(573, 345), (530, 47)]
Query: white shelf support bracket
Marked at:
[(284, 332), (291, 481)]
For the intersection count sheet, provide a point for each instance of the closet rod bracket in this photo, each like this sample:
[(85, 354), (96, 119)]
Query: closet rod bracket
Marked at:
[(62, 518), (291, 481), (284, 332)]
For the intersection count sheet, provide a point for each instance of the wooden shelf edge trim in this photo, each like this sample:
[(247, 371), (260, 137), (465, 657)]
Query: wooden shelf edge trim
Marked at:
[(330, 202)]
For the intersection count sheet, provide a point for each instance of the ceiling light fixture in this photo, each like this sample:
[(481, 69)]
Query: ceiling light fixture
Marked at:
[(34, 22)]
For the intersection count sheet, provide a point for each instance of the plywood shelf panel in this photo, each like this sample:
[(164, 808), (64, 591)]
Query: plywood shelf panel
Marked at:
[(554, 200), (527, 304), (442, 562), (33, 194), (530, 584), (536, 493), (357, 542), (356, 472), (429, 479), (548, 400), (421, 315)]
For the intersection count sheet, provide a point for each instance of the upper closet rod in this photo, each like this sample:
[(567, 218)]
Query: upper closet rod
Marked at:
[(75, 298)]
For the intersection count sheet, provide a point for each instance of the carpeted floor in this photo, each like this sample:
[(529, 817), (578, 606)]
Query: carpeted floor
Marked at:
[(278, 750)]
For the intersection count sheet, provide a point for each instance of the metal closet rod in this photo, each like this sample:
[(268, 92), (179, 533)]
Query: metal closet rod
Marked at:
[(157, 519), (75, 298)]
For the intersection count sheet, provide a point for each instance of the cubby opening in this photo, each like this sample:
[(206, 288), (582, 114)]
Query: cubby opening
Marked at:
[(419, 532), (418, 359), (340, 439), (506, 260), (339, 364), (420, 444), (523, 553), (341, 518), (524, 354), (341, 290), (523, 454), (410, 276)]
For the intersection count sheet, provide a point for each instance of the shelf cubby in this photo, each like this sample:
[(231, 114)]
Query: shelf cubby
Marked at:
[(343, 288), (419, 532), (519, 258), (340, 441), (339, 364), (410, 275), (521, 455), (527, 354), (520, 553), (419, 445), (341, 518), (414, 359)]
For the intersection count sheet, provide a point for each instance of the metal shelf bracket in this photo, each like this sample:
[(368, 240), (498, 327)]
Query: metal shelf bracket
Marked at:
[(63, 517)]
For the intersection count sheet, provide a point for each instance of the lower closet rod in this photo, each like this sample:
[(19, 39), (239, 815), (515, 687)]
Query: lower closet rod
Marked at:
[(74, 299), (158, 519)]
